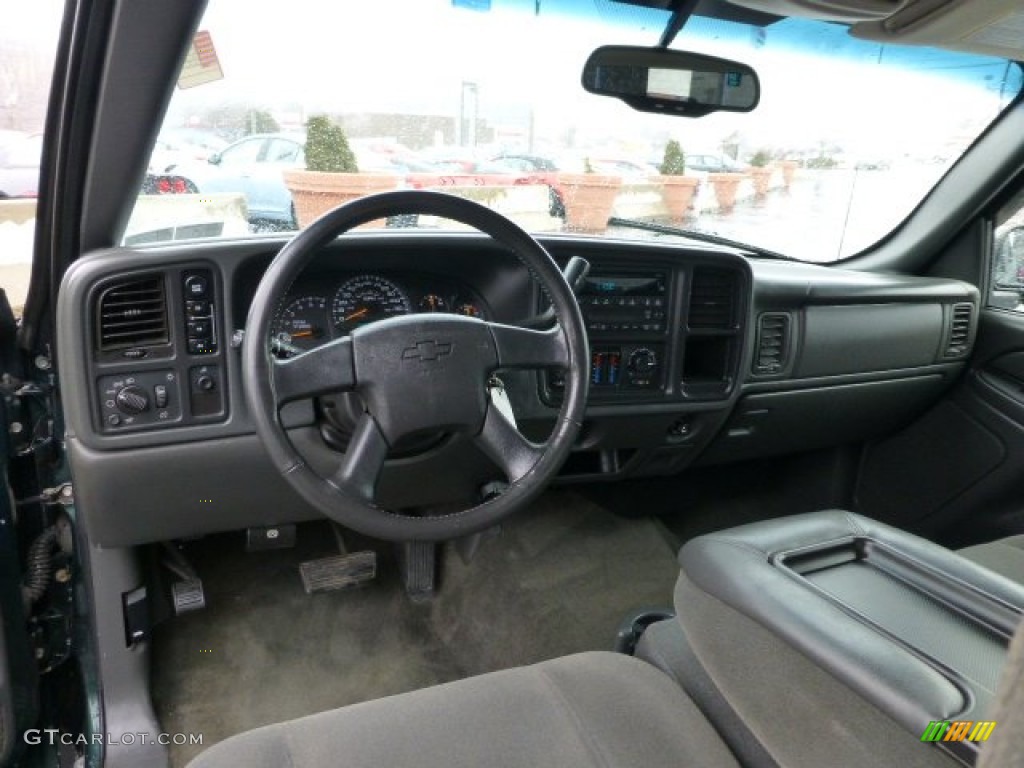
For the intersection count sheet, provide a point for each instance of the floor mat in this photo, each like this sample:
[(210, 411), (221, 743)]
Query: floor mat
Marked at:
[(558, 580)]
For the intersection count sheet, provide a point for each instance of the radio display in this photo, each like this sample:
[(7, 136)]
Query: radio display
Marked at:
[(624, 285)]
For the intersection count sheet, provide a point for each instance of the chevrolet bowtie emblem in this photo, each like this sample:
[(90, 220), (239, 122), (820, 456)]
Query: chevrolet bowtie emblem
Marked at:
[(427, 351)]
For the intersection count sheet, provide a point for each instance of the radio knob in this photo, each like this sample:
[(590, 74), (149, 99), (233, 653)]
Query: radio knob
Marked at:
[(642, 362), (131, 399)]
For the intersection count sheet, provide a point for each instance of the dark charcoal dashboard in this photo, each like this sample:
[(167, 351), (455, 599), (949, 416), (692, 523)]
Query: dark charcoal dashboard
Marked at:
[(697, 355)]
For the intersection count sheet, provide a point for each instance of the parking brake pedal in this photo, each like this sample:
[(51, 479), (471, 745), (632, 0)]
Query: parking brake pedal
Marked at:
[(343, 571), (188, 596)]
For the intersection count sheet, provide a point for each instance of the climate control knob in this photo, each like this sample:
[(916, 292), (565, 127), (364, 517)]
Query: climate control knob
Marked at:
[(131, 399), (642, 361), (642, 368)]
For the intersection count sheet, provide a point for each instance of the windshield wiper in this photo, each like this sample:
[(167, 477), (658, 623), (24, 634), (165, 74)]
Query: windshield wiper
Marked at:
[(693, 234)]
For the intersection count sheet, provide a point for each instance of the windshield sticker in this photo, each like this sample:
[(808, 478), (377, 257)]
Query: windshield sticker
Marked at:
[(201, 63)]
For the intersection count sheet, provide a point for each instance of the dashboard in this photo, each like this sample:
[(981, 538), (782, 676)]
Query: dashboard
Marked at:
[(698, 355)]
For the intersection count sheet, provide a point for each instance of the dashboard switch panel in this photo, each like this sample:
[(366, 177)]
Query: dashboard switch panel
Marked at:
[(133, 400), (200, 328)]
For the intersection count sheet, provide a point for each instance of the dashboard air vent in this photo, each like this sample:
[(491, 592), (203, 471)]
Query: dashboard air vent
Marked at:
[(959, 330), (712, 298), (133, 313), (772, 344)]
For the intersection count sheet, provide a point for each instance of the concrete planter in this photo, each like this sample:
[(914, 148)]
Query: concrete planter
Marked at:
[(788, 170), (678, 192), (762, 177), (588, 199), (725, 186), (315, 192)]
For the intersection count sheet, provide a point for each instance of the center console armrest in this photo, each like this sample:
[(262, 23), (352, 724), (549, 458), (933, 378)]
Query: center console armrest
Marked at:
[(911, 627)]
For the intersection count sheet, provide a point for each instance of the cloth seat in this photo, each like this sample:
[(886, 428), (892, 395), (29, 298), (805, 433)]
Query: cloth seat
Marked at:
[(1004, 556), (581, 711)]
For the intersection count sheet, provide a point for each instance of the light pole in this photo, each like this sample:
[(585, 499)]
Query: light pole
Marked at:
[(469, 111)]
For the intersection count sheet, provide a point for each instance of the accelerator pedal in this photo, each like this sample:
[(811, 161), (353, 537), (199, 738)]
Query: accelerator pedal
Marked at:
[(342, 571), (417, 561)]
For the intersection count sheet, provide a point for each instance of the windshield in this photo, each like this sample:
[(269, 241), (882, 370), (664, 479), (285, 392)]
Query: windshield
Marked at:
[(482, 98)]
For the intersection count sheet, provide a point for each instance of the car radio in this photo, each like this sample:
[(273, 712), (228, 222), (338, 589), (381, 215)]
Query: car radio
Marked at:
[(614, 303), (626, 316)]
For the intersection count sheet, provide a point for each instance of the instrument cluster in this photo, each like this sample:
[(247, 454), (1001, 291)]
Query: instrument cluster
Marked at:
[(312, 316)]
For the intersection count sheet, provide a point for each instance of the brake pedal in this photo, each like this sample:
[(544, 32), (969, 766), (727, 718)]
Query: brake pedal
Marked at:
[(338, 572), (188, 595)]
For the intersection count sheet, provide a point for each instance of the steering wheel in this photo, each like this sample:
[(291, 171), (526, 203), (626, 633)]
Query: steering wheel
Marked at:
[(415, 373)]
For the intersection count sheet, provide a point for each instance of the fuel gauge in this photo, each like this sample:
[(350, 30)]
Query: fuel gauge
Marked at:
[(468, 309), (433, 303)]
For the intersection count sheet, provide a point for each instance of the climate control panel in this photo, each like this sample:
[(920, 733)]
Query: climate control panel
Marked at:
[(620, 368), (625, 366)]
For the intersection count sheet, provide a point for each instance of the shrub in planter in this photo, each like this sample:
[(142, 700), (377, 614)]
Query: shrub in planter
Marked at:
[(327, 149), (761, 171), (674, 161), (332, 174), (677, 189)]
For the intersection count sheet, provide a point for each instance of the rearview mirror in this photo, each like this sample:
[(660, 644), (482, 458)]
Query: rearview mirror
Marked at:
[(671, 82)]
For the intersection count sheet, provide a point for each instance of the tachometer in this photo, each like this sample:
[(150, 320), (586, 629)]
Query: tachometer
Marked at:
[(365, 298), (301, 324)]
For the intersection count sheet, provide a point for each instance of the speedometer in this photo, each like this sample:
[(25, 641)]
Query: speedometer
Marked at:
[(366, 298)]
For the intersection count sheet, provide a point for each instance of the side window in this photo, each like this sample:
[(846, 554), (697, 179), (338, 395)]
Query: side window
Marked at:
[(283, 151), (242, 153), (1007, 284), (28, 43)]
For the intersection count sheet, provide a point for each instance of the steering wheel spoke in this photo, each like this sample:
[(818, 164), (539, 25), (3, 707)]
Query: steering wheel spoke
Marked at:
[(320, 371), (363, 462), (529, 348), (506, 446)]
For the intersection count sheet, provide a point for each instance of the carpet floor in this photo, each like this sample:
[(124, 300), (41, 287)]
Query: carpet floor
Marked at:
[(559, 579)]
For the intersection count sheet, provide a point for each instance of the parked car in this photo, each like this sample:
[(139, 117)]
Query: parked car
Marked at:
[(710, 163), (481, 488), (527, 162), (252, 166), (629, 170), (179, 146)]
